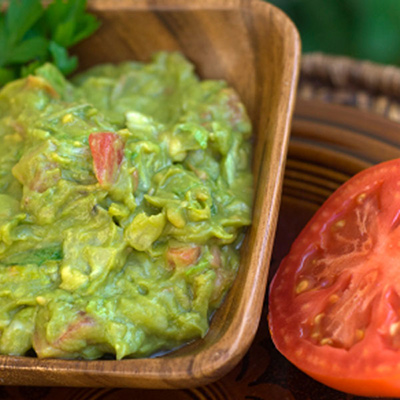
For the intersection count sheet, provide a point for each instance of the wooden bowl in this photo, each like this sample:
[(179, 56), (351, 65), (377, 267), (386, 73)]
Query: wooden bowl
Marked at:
[(256, 48)]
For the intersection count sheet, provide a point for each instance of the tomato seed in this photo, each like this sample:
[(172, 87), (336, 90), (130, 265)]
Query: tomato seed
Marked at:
[(340, 224), (318, 318), (361, 198), (315, 335), (333, 298), (360, 334), (301, 287), (325, 341), (394, 328)]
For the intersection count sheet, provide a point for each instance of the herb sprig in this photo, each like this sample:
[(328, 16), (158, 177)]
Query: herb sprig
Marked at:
[(32, 34)]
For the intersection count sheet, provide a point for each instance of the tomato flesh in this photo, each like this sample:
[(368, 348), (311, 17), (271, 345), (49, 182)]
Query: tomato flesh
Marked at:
[(183, 256), (334, 303), (107, 151)]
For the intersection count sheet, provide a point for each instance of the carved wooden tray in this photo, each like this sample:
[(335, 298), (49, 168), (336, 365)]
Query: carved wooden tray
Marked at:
[(224, 39), (329, 144)]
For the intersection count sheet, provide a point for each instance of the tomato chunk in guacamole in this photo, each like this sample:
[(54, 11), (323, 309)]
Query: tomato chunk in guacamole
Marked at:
[(123, 197)]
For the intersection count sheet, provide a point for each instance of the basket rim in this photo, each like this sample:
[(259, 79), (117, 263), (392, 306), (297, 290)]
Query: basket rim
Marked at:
[(338, 71)]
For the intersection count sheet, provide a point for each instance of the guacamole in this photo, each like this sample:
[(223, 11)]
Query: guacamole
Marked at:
[(123, 196)]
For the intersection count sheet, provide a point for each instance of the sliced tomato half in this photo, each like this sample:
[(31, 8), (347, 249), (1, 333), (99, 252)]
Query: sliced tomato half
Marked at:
[(107, 150), (334, 303)]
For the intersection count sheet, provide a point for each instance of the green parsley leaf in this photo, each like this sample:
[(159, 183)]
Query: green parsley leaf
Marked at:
[(7, 75), (31, 34), (69, 23), (64, 63), (20, 17), (35, 256), (28, 50)]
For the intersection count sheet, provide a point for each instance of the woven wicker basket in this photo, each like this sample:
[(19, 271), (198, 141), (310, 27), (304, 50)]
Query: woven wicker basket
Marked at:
[(360, 84)]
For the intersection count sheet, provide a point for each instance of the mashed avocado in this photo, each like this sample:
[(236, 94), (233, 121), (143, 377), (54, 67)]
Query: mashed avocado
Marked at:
[(123, 197)]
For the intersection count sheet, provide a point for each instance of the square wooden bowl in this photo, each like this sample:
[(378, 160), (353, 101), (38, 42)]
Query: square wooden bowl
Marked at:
[(256, 48)]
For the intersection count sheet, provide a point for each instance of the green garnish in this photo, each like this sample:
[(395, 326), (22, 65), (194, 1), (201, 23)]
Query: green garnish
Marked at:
[(32, 34), (35, 256)]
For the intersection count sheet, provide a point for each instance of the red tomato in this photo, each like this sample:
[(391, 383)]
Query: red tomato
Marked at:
[(334, 304), (183, 256), (78, 329), (81, 329), (45, 178), (107, 150)]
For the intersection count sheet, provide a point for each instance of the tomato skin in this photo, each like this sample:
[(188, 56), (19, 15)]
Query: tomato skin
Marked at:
[(107, 150), (334, 303)]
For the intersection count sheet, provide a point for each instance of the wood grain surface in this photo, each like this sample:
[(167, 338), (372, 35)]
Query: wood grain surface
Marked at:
[(255, 47), (329, 144)]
